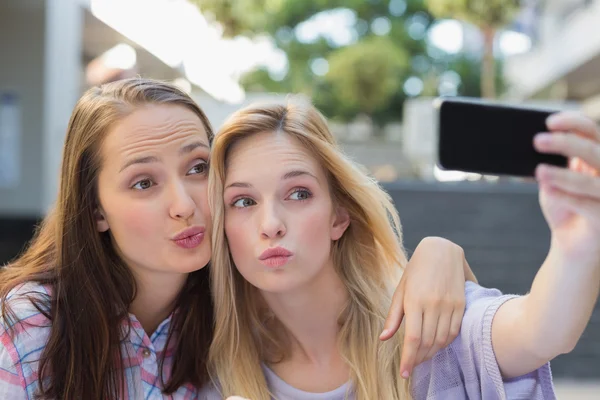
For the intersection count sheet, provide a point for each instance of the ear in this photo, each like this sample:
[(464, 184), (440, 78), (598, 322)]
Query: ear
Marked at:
[(340, 223), (101, 222)]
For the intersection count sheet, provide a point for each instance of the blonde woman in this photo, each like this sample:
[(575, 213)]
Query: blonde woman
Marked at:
[(305, 257)]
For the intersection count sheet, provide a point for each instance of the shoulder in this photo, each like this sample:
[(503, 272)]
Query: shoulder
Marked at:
[(468, 365), (482, 303), (463, 358), (24, 330), (23, 336), (474, 292), (21, 301)]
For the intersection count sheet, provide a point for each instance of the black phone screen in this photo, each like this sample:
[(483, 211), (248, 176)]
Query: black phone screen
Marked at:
[(491, 139)]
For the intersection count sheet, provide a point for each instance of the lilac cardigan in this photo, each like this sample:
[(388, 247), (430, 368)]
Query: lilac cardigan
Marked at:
[(466, 369)]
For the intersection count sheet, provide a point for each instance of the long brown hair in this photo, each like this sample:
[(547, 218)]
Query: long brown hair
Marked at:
[(91, 287)]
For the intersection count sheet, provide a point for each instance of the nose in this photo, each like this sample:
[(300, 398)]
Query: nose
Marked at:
[(182, 205), (272, 224)]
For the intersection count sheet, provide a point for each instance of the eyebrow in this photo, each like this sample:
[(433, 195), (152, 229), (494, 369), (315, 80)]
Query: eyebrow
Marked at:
[(139, 160), (188, 148), (296, 173), (288, 175)]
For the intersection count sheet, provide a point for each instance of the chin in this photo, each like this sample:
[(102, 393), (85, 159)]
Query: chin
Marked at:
[(189, 264), (191, 261), (277, 284), (186, 268)]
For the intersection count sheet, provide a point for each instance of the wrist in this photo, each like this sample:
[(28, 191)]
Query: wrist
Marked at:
[(575, 252)]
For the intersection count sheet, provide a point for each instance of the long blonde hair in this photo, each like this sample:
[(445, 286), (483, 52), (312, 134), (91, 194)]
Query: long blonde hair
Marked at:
[(369, 259)]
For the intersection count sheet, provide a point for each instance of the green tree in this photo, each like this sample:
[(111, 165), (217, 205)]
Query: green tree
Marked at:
[(488, 16), (240, 17), (365, 75)]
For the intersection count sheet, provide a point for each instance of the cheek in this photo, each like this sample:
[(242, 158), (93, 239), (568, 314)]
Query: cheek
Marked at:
[(132, 222), (242, 243), (201, 200), (129, 219), (235, 233), (314, 226)]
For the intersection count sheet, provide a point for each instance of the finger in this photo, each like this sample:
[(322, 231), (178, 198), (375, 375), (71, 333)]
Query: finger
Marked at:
[(572, 121), (431, 324), (578, 165), (455, 324), (395, 314), (569, 145), (441, 335), (569, 181), (586, 168), (412, 341)]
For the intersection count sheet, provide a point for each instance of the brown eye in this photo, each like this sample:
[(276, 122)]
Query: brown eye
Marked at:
[(143, 184), (200, 168)]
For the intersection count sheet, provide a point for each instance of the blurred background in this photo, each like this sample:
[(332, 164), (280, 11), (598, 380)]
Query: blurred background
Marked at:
[(371, 66)]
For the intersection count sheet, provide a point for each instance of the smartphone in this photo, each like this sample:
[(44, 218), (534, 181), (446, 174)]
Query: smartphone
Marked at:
[(489, 138)]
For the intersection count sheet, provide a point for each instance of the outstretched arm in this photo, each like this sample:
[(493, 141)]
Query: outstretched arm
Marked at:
[(529, 331)]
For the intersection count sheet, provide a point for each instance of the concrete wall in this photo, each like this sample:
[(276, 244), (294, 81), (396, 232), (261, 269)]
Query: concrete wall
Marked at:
[(22, 72)]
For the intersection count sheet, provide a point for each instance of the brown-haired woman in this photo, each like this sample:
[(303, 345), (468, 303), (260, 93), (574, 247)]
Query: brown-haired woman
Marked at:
[(123, 247)]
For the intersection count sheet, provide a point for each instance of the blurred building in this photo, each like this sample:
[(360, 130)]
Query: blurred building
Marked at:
[(51, 51), (564, 63)]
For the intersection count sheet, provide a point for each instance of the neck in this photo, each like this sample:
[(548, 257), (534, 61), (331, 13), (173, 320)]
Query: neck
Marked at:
[(310, 315), (155, 298)]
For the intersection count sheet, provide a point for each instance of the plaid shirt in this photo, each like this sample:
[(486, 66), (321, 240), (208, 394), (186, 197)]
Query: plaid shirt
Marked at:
[(20, 354)]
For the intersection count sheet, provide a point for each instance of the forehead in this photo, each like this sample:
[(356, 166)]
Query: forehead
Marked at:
[(277, 150), (152, 127)]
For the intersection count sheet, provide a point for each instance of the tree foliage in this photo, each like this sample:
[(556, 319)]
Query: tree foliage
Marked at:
[(365, 75)]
